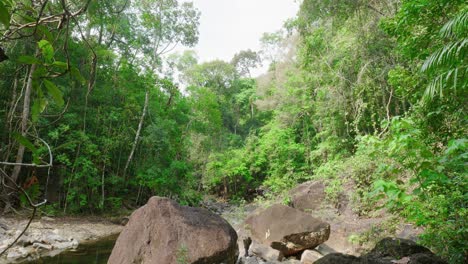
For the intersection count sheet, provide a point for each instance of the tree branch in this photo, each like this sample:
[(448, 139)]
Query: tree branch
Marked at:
[(34, 206)]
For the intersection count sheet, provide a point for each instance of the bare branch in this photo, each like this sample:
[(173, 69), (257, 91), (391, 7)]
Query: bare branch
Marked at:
[(33, 164), (34, 206), (56, 18)]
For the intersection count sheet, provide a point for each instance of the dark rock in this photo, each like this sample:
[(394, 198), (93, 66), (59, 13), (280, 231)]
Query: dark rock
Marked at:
[(164, 232), (396, 248), (388, 251), (286, 229), (425, 258), (246, 243), (336, 258)]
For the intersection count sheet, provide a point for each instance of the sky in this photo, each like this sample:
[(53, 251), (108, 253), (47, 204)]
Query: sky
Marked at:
[(229, 26)]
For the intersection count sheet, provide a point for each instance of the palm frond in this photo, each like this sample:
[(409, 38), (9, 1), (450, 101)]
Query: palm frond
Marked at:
[(449, 61), (454, 78), (456, 27), (447, 55)]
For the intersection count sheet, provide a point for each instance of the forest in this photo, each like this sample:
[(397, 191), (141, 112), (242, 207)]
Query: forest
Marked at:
[(98, 115)]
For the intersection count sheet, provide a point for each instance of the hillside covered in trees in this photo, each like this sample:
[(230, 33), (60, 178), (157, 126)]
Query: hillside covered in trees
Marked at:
[(98, 115)]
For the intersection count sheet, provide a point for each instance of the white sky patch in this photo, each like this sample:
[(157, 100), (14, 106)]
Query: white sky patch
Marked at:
[(229, 26)]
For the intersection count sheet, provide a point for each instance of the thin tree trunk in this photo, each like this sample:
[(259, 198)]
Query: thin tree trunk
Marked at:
[(251, 110), (11, 108), (24, 122), (103, 187), (24, 127), (137, 135)]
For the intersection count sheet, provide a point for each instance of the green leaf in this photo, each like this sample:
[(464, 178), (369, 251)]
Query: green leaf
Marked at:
[(24, 141), (38, 107), (76, 73), (47, 50), (45, 33), (40, 72), (27, 18), (28, 60), (35, 111), (4, 15), (54, 91), (29, 145), (60, 64)]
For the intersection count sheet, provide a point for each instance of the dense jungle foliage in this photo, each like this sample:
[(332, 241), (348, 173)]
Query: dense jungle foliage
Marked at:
[(96, 115)]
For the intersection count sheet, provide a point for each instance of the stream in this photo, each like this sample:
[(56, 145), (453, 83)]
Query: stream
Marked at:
[(97, 252)]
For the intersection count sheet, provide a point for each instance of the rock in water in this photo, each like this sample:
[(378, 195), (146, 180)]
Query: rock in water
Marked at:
[(164, 232), (287, 229)]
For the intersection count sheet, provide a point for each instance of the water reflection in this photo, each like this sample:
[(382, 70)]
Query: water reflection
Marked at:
[(95, 253)]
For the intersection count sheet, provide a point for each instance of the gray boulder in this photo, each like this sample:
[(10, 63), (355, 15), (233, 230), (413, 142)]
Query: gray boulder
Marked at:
[(164, 232), (308, 196), (286, 229)]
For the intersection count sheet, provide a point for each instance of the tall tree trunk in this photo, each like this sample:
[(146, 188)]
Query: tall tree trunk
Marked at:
[(24, 122), (137, 136), (24, 127)]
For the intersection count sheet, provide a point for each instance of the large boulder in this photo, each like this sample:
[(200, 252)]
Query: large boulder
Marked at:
[(398, 250), (308, 196), (164, 232), (388, 251), (286, 229)]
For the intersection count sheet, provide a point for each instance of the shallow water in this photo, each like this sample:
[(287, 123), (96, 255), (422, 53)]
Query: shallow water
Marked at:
[(93, 253)]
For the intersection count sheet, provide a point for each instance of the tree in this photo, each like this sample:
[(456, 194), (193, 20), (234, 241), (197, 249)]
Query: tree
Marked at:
[(166, 24), (38, 21), (246, 60)]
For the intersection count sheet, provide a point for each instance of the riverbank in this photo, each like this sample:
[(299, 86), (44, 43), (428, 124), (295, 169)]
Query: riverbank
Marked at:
[(51, 236), (351, 233)]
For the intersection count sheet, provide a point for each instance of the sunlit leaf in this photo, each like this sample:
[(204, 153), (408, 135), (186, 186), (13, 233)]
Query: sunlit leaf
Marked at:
[(47, 50)]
